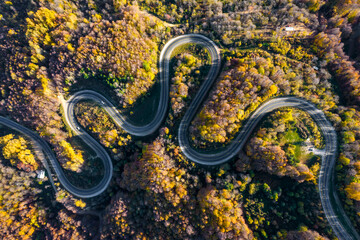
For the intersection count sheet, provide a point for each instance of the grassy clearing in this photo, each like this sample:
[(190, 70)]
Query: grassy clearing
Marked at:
[(292, 137)]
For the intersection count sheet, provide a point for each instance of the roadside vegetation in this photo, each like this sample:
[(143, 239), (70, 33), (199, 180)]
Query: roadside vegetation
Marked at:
[(182, 200), (250, 78), (52, 49), (26, 208), (190, 65), (16, 151), (283, 146), (97, 122)]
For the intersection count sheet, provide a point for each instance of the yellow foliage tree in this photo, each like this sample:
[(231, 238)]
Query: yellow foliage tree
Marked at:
[(353, 191), (79, 203), (46, 28), (222, 211), (75, 159), (15, 150)]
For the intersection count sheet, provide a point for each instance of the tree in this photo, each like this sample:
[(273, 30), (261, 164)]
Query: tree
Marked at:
[(21, 214), (74, 159), (15, 150), (353, 191), (222, 214)]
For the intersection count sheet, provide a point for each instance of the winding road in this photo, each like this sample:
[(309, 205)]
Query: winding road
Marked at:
[(342, 228)]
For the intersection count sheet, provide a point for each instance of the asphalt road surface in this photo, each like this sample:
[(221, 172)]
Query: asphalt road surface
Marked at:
[(329, 199)]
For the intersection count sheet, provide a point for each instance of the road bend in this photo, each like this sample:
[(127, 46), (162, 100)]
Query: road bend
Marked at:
[(343, 228)]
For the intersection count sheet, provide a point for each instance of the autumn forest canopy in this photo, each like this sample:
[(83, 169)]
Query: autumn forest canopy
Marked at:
[(49, 50)]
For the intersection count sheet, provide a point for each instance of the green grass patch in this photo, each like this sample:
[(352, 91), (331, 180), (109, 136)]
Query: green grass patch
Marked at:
[(300, 154), (292, 136)]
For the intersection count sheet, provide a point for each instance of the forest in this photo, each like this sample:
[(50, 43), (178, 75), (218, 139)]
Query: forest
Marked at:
[(49, 50)]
